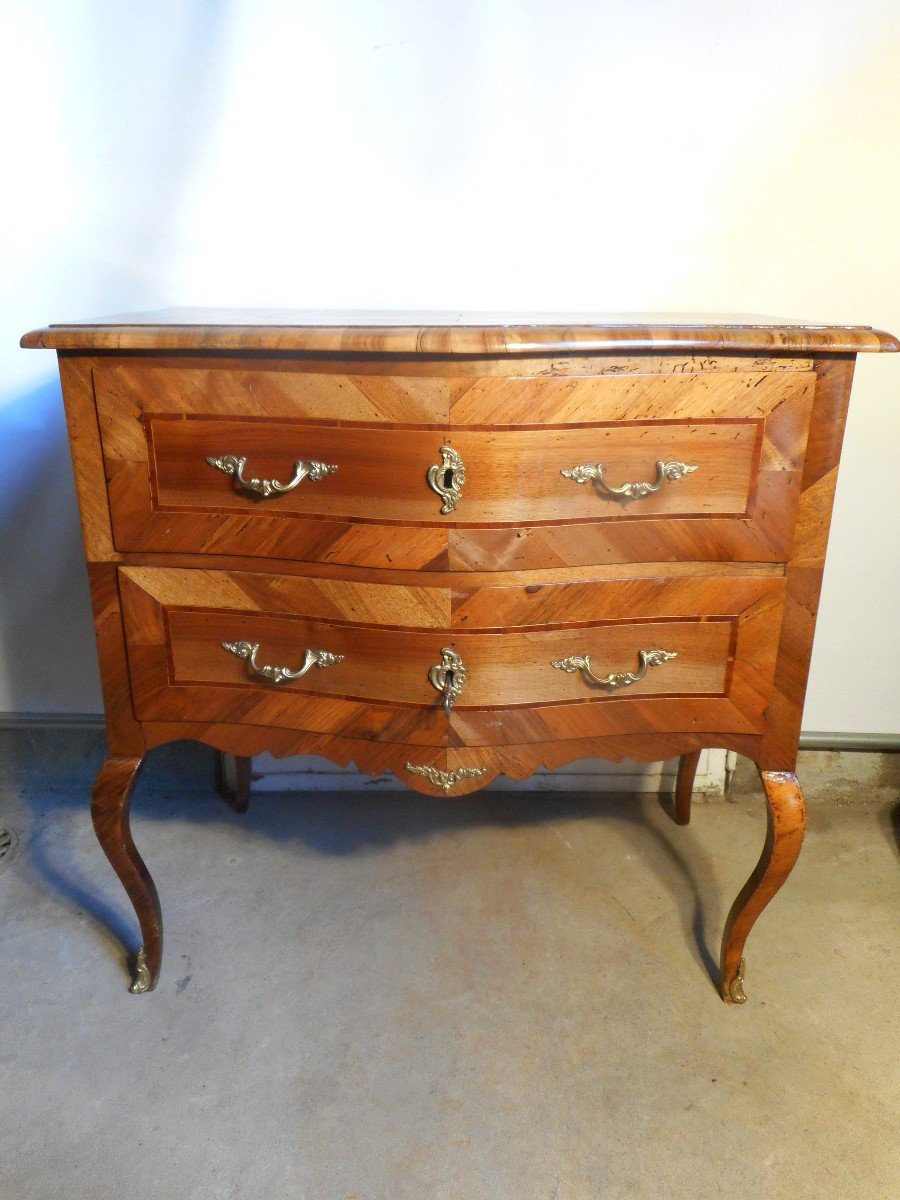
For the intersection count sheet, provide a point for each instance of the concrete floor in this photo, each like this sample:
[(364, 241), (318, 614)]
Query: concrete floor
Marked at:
[(384, 998)]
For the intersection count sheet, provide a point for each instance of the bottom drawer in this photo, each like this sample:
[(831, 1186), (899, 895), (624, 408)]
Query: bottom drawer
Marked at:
[(365, 660)]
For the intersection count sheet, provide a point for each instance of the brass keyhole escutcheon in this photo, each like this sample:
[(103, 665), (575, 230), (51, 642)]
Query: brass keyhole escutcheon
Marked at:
[(448, 677), (447, 477)]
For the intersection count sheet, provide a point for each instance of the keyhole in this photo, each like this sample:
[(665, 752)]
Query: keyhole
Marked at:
[(448, 479)]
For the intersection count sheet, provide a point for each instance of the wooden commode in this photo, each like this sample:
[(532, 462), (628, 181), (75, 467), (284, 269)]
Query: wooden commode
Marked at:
[(455, 547)]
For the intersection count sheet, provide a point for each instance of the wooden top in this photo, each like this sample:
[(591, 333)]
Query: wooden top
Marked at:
[(453, 333)]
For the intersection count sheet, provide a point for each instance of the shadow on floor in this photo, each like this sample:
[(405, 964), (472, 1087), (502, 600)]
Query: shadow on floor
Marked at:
[(52, 772), (890, 822)]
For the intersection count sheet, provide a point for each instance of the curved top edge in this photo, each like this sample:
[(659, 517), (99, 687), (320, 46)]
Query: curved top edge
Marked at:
[(211, 331)]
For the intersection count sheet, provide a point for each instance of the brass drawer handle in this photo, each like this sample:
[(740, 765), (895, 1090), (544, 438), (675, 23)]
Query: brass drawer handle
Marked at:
[(666, 472), (617, 679), (447, 477), (312, 658), (448, 677), (445, 780), (234, 465)]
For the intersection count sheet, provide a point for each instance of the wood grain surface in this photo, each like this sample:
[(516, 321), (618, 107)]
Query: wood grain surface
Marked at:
[(786, 825), (376, 758), (512, 477), (745, 432), (724, 632), (806, 564), (724, 566), (456, 333), (684, 786), (110, 805)]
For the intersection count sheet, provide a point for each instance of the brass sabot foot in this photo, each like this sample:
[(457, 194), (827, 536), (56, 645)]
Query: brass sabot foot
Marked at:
[(141, 974), (736, 987)]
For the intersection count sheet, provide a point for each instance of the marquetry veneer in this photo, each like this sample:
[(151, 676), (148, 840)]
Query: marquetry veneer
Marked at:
[(389, 636), (505, 545), (744, 430)]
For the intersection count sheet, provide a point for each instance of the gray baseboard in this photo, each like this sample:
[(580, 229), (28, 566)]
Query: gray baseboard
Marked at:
[(812, 740), (52, 721), (872, 742)]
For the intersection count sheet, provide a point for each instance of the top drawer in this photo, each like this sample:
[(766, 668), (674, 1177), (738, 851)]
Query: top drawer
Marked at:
[(538, 471)]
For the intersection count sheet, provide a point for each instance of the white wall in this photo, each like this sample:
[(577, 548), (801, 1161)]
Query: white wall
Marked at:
[(471, 153)]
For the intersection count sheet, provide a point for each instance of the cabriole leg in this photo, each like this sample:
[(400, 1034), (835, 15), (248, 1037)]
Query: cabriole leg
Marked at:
[(109, 811), (233, 779), (684, 786), (786, 809)]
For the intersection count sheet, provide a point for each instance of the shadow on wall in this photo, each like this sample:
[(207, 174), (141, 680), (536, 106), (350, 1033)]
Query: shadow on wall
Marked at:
[(47, 653), (131, 152)]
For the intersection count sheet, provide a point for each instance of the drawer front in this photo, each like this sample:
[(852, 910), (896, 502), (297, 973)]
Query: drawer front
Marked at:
[(332, 656), (512, 476), (377, 474), (661, 467), (502, 669)]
